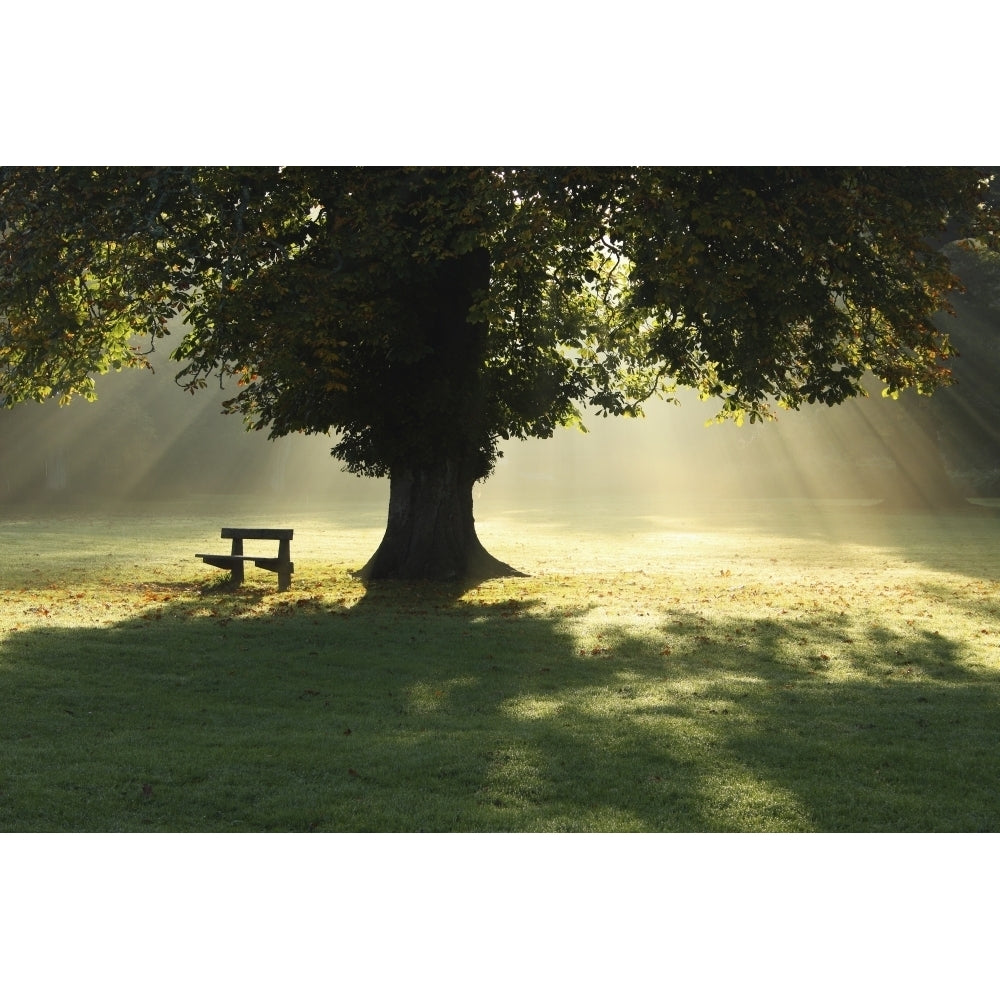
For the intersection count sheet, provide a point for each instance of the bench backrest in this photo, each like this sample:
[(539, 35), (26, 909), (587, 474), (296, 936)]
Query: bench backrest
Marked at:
[(280, 533)]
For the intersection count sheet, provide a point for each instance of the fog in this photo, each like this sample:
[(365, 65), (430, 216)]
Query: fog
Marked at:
[(146, 439)]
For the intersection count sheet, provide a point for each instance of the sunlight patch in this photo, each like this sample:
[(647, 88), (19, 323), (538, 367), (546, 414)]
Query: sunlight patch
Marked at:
[(429, 698), (532, 708), (736, 801)]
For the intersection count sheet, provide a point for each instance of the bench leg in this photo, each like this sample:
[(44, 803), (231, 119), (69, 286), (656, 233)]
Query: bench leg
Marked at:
[(284, 572), (237, 570)]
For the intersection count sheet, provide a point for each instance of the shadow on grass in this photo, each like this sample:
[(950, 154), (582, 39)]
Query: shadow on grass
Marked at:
[(416, 710)]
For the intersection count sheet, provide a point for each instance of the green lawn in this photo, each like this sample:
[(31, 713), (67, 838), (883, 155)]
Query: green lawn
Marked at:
[(778, 667)]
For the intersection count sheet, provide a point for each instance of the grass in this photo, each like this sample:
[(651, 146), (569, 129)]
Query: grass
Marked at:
[(782, 667)]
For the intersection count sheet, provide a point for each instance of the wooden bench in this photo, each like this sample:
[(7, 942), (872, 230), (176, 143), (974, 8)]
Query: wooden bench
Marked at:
[(281, 564)]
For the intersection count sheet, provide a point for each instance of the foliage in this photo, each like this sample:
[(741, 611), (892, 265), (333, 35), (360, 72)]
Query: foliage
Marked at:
[(796, 282), (425, 313)]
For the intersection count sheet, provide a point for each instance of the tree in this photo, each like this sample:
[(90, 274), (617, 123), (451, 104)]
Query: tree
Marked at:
[(965, 424), (428, 314)]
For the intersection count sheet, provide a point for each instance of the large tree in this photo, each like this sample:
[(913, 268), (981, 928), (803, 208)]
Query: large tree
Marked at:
[(426, 315)]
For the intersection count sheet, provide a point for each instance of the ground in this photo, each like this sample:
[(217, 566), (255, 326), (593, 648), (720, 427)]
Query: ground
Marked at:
[(772, 666)]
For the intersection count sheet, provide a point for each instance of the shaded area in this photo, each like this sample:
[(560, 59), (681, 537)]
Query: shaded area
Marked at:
[(417, 709)]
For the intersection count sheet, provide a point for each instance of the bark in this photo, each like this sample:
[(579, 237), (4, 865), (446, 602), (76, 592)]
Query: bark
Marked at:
[(431, 532), (437, 441)]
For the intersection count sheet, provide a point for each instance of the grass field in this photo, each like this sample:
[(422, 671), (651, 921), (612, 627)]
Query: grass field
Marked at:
[(746, 667)]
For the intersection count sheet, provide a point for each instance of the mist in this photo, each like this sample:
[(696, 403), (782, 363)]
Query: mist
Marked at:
[(146, 439)]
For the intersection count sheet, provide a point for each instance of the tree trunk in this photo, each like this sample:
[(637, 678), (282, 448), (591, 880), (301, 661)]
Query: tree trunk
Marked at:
[(436, 438), (431, 533)]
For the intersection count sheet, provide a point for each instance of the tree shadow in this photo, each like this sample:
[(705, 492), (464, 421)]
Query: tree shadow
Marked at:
[(436, 708)]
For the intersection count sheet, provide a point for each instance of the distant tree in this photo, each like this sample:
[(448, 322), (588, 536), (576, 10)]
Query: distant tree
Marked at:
[(960, 429), (426, 315)]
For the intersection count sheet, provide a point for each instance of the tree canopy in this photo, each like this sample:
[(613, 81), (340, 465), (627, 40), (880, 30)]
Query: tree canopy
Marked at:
[(425, 315)]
